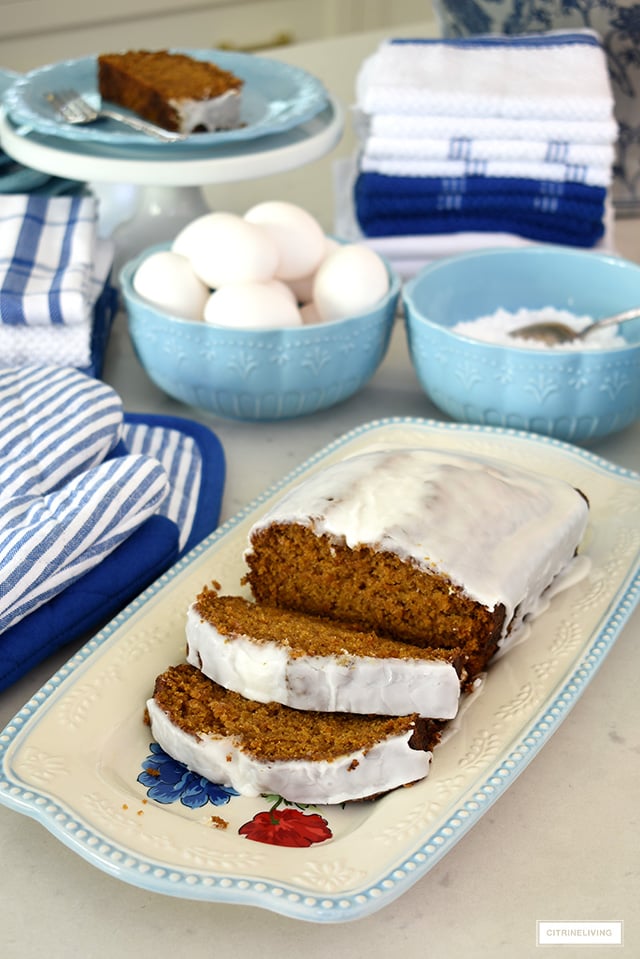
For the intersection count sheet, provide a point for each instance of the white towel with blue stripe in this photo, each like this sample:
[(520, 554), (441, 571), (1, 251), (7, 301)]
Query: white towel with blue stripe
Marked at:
[(533, 129), (47, 257), (558, 75), (53, 269), (61, 345), (589, 174), (63, 507), (439, 149)]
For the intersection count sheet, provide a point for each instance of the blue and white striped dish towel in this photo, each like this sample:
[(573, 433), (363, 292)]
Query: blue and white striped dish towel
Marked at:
[(53, 271), (47, 260), (61, 345)]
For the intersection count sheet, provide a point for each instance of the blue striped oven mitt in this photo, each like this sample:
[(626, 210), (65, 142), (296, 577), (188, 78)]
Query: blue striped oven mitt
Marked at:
[(94, 505)]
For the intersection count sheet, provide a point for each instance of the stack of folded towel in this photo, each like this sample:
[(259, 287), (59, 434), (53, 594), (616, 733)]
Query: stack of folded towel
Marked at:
[(485, 137), (56, 301)]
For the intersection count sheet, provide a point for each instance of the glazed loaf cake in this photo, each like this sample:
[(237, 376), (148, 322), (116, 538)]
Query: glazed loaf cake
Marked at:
[(424, 546), (173, 90), (375, 579), (258, 748), (308, 662)]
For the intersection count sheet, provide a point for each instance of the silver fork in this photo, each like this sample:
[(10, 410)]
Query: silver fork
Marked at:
[(74, 109)]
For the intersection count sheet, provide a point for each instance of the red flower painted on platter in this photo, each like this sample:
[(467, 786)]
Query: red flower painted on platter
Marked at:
[(286, 827)]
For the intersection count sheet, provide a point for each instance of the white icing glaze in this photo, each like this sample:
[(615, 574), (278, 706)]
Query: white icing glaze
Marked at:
[(575, 571), (220, 113), (265, 672), (385, 766), (500, 533)]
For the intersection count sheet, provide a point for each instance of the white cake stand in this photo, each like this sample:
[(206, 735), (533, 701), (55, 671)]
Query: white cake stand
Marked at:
[(147, 196)]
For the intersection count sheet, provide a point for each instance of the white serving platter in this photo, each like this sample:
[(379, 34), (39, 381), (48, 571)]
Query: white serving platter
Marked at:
[(73, 755)]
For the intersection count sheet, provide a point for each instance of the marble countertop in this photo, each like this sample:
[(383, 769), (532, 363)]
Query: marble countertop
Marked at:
[(560, 844)]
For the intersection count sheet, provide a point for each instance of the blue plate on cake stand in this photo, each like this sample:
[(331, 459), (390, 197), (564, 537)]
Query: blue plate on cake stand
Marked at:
[(275, 97)]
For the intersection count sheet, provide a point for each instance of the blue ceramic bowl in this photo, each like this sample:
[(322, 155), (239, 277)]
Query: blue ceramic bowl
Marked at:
[(257, 374), (570, 395)]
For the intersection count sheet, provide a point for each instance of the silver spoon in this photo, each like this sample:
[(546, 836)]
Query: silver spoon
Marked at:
[(550, 331)]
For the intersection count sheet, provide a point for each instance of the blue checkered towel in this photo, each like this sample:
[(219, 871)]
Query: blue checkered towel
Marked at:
[(47, 260), (541, 210), (370, 185), (54, 271)]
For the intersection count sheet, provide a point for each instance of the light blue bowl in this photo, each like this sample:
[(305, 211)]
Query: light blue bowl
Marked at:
[(257, 374), (572, 395)]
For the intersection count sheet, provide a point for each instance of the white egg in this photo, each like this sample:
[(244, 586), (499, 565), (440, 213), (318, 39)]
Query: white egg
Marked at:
[(167, 280), (300, 239), (283, 289), (310, 315), (331, 246), (226, 248), (252, 306), (351, 280), (191, 236), (302, 287)]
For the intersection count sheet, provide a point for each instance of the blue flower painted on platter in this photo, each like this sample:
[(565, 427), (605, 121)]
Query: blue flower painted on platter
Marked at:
[(167, 781)]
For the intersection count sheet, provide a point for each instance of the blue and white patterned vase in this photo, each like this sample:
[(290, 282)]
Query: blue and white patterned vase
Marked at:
[(618, 24)]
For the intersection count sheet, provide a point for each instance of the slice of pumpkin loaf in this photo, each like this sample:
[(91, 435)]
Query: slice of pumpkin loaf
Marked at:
[(306, 757), (173, 90), (308, 662)]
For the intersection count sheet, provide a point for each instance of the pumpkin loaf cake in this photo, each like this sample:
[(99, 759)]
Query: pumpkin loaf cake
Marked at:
[(306, 757), (427, 547), (382, 565), (173, 90), (307, 662)]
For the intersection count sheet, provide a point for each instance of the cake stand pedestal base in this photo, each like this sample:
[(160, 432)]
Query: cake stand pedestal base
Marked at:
[(136, 217)]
